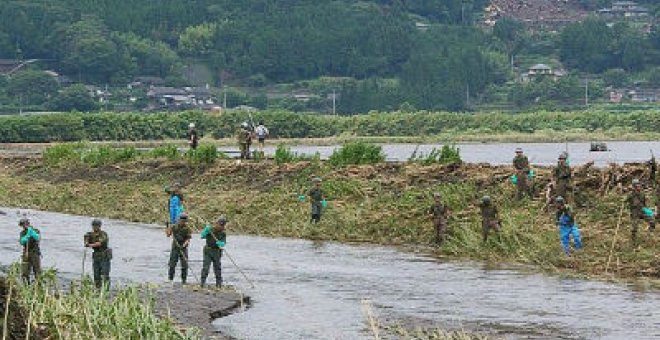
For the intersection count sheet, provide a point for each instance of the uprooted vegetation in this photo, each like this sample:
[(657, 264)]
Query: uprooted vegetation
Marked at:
[(383, 203)]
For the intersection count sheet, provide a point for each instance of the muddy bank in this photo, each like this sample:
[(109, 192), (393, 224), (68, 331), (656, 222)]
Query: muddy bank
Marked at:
[(192, 306), (383, 203)]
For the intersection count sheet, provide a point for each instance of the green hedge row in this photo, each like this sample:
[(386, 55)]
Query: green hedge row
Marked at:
[(139, 126)]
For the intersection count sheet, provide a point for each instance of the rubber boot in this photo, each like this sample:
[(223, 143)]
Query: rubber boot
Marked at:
[(184, 276)]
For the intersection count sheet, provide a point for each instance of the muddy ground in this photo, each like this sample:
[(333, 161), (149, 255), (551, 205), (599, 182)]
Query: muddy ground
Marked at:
[(192, 306)]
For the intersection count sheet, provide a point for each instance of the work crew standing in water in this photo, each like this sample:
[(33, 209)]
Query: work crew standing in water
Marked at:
[(181, 235), (215, 242), (29, 238), (98, 240), (521, 164)]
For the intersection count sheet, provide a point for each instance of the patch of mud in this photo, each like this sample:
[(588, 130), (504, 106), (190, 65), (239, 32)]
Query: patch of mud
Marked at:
[(193, 306)]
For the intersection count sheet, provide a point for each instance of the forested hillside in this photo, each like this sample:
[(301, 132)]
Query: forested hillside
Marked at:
[(380, 54)]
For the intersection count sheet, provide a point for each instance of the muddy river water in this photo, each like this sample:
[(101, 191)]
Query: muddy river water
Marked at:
[(502, 153), (308, 290)]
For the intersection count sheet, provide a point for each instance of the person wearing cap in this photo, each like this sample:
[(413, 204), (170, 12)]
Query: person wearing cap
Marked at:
[(216, 239), (98, 240), (29, 238), (637, 203), (181, 235), (521, 165), (193, 137), (244, 137), (489, 217), (439, 213), (175, 202), (567, 227), (562, 176)]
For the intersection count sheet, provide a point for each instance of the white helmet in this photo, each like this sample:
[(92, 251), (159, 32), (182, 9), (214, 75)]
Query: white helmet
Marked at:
[(191, 125), (244, 125)]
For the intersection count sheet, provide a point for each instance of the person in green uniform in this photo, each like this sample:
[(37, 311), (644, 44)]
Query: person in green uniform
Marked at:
[(439, 213), (181, 235), (244, 137), (562, 176), (637, 203), (216, 239), (98, 240), (317, 199), (489, 217), (521, 165), (29, 238)]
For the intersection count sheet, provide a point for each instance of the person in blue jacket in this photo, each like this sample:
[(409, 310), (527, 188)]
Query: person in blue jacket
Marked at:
[(175, 203), (566, 221), (29, 238)]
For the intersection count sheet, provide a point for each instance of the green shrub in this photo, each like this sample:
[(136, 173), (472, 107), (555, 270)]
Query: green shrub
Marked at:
[(204, 154), (61, 153), (104, 155), (450, 154), (283, 154), (357, 153), (169, 151), (446, 155)]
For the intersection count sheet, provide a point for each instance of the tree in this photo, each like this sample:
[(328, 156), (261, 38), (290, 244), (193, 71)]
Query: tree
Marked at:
[(615, 77), (73, 98), (512, 33), (31, 86), (198, 40), (653, 77)]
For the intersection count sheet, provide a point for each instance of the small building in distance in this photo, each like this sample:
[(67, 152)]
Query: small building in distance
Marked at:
[(540, 71), (624, 9)]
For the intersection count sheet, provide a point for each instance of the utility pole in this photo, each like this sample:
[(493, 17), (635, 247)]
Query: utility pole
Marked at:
[(467, 94), (586, 93), (334, 102)]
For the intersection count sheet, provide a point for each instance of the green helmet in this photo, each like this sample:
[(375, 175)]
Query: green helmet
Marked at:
[(96, 222), (24, 222)]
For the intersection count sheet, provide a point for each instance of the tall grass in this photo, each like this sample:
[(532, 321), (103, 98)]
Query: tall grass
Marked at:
[(446, 155), (83, 312), (357, 153)]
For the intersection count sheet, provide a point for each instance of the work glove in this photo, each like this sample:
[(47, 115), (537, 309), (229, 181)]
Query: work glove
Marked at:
[(648, 212), (220, 244), (514, 179), (206, 231), (324, 203), (25, 239), (301, 198), (531, 174)]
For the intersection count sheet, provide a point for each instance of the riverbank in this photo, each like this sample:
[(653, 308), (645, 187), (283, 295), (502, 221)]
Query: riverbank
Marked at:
[(476, 137), (384, 204), (152, 312)]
